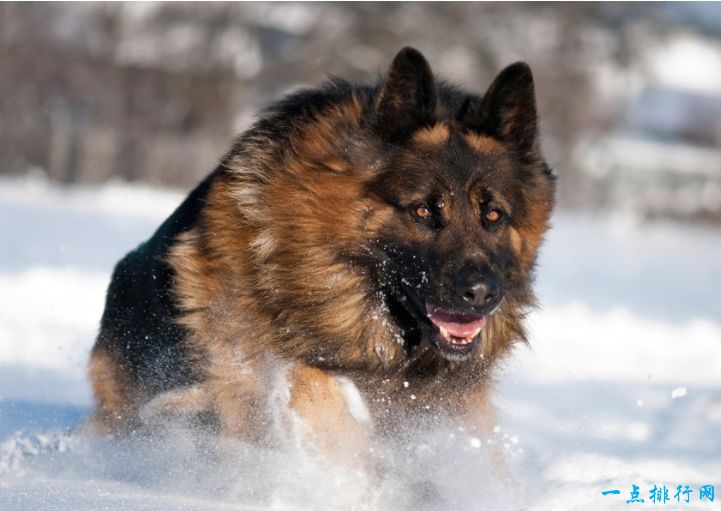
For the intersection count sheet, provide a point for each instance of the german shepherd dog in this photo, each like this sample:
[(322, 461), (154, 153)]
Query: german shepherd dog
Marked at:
[(363, 253)]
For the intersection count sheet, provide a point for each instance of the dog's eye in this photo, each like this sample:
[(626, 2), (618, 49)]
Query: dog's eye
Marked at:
[(493, 215), (423, 211)]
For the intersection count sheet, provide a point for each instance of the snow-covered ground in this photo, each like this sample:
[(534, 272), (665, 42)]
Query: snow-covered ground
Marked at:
[(622, 384)]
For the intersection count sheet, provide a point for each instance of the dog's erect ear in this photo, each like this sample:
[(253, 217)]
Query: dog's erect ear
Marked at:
[(408, 95), (508, 110)]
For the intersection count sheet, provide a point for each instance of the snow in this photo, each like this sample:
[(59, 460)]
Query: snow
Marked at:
[(679, 392), (620, 386)]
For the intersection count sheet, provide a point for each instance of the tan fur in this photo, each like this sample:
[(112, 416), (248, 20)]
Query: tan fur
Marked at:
[(434, 136), (479, 417), (318, 401), (189, 400), (118, 399), (482, 143)]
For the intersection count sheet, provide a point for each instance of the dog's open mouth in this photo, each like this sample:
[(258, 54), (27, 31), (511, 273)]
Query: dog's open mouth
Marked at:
[(457, 335)]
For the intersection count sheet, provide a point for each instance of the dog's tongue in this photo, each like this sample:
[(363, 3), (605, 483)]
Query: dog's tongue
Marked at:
[(455, 325)]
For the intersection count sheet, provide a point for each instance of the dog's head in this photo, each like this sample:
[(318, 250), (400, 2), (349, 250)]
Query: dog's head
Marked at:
[(415, 192), (470, 197)]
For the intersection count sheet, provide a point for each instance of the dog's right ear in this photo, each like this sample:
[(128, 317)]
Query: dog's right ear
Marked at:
[(508, 109), (408, 96)]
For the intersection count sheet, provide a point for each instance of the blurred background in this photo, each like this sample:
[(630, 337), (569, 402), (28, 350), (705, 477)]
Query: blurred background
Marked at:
[(629, 94)]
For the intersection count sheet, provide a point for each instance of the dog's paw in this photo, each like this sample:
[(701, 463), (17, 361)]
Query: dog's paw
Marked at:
[(184, 402)]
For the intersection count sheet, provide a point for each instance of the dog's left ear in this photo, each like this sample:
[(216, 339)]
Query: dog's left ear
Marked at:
[(408, 95), (508, 110)]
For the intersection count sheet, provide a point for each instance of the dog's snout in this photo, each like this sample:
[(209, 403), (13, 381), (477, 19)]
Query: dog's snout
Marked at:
[(477, 288)]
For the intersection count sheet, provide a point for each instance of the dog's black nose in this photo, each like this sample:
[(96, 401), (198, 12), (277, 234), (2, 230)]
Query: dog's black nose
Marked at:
[(478, 288)]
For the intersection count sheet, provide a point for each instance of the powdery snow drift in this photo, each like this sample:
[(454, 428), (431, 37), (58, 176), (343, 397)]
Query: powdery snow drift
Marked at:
[(621, 384)]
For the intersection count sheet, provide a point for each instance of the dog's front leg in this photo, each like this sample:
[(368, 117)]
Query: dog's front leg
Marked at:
[(330, 414), (478, 415), (184, 401)]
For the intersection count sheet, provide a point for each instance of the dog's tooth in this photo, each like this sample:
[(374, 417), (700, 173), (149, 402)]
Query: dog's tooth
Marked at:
[(478, 331), (444, 332)]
